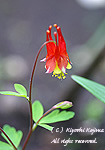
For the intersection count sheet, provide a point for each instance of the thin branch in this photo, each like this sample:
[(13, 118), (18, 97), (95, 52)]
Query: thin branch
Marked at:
[(30, 93), (8, 138)]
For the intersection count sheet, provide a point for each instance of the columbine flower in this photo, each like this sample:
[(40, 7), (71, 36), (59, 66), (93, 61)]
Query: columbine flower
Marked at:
[(57, 59)]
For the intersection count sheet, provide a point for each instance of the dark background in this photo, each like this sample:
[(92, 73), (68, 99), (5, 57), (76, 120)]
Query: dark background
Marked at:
[(23, 24)]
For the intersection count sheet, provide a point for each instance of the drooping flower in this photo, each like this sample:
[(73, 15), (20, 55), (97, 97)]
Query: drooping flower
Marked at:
[(57, 59)]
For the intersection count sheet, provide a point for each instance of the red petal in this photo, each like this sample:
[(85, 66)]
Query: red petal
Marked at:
[(62, 63), (50, 37), (50, 46), (50, 64), (61, 43)]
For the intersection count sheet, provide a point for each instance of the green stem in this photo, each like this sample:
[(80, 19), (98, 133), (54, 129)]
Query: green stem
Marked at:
[(30, 93), (8, 138)]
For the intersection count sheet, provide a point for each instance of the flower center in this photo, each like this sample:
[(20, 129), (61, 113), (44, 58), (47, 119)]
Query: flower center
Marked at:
[(59, 76), (58, 73)]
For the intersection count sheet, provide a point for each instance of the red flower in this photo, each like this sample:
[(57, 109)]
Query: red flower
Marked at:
[(57, 59)]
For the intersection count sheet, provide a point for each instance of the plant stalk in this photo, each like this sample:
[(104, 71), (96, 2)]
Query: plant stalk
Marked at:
[(30, 93)]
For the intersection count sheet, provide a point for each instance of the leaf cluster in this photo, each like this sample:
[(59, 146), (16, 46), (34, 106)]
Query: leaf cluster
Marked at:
[(38, 113), (52, 117)]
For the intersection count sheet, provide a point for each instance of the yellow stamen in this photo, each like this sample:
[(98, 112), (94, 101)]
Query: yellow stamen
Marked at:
[(59, 76), (58, 73)]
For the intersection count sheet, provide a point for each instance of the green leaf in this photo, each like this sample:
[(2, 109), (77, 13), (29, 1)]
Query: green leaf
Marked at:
[(46, 126), (37, 110), (57, 116), (10, 93), (14, 135), (20, 89), (5, 146), (94, 88)]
